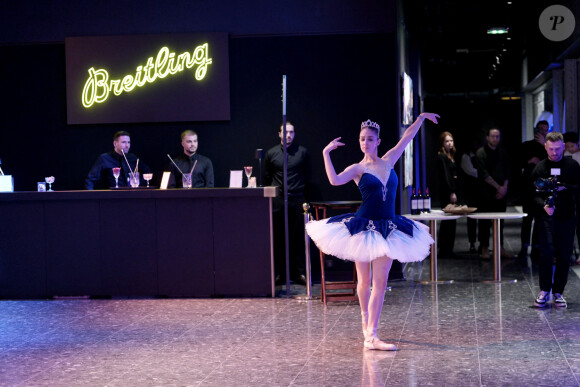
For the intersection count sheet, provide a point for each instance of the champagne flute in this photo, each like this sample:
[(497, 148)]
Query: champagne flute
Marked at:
[(49, 180), (116, 173), (248, 171), (147, 176)]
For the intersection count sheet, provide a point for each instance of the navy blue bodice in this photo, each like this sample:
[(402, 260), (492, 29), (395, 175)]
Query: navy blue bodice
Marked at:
[(377, 211), (378, 199)]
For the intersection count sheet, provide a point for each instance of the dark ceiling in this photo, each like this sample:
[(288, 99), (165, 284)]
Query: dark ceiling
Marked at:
[(459, 57)]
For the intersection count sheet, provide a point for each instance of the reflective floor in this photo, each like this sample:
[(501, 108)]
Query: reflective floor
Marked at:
[(467, 333)]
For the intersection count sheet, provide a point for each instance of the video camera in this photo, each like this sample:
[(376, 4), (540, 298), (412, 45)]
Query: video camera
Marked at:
[(549, 185)]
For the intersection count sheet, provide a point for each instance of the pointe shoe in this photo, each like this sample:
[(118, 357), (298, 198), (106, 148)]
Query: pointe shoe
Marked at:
[(375, 343)]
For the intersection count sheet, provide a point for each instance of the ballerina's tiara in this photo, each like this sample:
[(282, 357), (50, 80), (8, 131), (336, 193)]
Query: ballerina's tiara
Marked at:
[(370, 124)]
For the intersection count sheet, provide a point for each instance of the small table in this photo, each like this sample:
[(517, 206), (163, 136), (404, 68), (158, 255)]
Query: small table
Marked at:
[(433, 217), (496, 217), (320, 209)]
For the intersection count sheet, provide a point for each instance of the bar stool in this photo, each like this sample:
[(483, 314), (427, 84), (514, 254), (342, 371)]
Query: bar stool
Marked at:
[(348, 287)]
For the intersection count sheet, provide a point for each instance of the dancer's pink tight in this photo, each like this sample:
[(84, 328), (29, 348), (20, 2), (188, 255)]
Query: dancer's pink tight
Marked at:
[(371, 301)]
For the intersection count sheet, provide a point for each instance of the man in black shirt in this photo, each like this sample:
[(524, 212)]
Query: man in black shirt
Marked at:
[(101, 174), (533, 152), (201, 175), (493, 171), (298, 170), (557, 220), (572, 150)]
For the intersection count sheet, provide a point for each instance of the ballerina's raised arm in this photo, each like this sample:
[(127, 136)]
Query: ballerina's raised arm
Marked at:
[(345, 176), (393, 155)]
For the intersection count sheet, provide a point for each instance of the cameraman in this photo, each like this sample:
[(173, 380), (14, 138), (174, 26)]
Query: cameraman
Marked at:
[(556, 218)]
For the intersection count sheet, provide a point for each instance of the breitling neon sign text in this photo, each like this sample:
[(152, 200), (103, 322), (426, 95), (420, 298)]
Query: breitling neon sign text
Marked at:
[(98, 87)]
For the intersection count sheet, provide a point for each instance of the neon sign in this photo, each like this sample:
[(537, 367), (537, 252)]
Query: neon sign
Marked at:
[(98, 87)]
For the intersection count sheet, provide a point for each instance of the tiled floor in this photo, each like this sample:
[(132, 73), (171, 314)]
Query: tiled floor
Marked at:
[(467, 333)]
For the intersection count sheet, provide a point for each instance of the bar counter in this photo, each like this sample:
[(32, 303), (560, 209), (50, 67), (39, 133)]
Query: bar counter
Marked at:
[(211, 242)]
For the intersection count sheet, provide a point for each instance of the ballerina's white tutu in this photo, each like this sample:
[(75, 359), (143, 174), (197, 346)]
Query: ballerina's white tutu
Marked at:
[(374, 230)]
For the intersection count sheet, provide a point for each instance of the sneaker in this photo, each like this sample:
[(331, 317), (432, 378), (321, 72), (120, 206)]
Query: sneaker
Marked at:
[(506, 255), (542, 299), (559, 300), (485, 253)]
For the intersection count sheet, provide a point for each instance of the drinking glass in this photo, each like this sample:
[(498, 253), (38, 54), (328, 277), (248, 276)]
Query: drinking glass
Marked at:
[(116, 173), (186, 180), (134, 179), (248, 171), (49, 180), (147, 176)]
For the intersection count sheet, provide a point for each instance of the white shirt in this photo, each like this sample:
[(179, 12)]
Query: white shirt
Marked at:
[(575, 156)]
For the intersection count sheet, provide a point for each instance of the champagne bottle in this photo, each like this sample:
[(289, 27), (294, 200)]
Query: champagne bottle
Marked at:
[(414, 203), (427, 201)]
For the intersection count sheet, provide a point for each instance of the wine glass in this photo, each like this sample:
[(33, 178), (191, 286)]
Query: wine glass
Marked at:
[(147, 176), (116, 173), (248, 171), (49, 180)]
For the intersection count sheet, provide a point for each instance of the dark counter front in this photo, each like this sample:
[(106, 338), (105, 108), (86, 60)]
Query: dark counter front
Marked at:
[(178, 243)]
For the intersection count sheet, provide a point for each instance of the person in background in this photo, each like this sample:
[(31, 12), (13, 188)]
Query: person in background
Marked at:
[(448, 188), (470, 191), (533, 151), (571, 146), (101, 174), (556, 219), (493, 171), (298, 176), (201, 175), (374, 236), (572, 150)]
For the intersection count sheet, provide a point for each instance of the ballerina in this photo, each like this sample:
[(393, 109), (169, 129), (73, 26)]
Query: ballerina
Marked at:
[(374, 233)]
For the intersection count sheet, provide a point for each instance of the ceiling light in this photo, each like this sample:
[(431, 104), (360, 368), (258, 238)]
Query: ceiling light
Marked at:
[(497, 31)]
